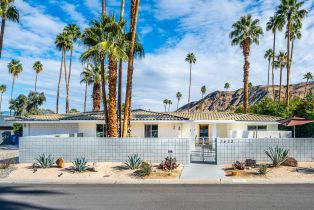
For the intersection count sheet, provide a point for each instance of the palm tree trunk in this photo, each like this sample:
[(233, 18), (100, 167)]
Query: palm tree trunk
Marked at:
[(2, 33), (1, 102), (112, 120), (246, 53), (103, 7), (307, 81), (268, 76), (128, 96), (96, 96), (288, 66), (103, 85), (36, 82), (85, 98), (273, 66), (12, 89), (69, 78), (66, 83), (189, 98), (280, 83), (59, 82), (122, 10)]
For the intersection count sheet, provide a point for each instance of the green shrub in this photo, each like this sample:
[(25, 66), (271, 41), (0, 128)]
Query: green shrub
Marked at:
[(45, 161), (277, 155), (263, 169), (80, 164), (133, 162), (145, 169)]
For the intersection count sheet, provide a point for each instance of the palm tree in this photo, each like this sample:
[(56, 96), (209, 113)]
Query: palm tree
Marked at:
[(274, 24), (227, 86), (269, 56), (179, 96), (308, 76), (191, 59), (128, 95), (15, 68), (103, 7), (73, 32), (10, 12), (3, 89), (96, 80), (295, 34), (281, 63), (291, 12), (62, 43), (166, 101), (203, 90), (245, 32), (169, 104), (87, 78), (38, 67)]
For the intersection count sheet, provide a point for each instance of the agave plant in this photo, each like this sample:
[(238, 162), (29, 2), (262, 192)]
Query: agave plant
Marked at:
[(80, 164), (134, 161), (277, 155), (45, 161)]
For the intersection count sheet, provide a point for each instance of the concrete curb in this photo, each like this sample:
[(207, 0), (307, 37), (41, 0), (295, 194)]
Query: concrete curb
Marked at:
[(158, 181)]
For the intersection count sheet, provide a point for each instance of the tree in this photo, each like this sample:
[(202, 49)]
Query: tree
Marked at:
[(274, 24), (308, 76), (291, 12), (96, 80), (227, 86), (203, 90), (169, 104), (179, 96), (87, 78), (166, 102), (191, 59), (245, 32), (3, 89), (62, 43), (269, 56), (128, 95), (280, 63), (73, 32), (10, 12), (15, 68), (103, 8), (38, 67)]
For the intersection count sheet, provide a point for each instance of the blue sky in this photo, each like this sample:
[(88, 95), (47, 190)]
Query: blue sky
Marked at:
[(168, 30)]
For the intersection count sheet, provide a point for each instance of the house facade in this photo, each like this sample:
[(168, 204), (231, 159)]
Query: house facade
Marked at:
[(201, 127)]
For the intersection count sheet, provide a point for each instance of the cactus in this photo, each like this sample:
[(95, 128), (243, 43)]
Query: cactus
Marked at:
[(133, 162), (45, 161), (277, 155), (79, 165), (263, 169), (145, 169)]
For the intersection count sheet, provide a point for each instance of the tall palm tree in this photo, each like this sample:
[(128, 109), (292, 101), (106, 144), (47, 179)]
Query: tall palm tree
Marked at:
[(128, 95), (73, 32), (291, 12), (274, 24), (96, 80), (295, 34), (169, 104), (179, 96), (15, 68), (227, 86), (87, 78), (103, 8), (246, 32), (62, 43), (269, 56), (281, 63), (308, 76), (3, 89), (10, 12), (38, 67), (166, 102), (191, 59), (203, 90)]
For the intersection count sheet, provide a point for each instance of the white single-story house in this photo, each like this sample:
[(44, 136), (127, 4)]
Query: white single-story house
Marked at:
[(199, 126), (6, 128)]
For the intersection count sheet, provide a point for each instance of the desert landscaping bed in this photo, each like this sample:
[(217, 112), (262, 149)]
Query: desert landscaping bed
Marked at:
[(305, 170), (104, 171)]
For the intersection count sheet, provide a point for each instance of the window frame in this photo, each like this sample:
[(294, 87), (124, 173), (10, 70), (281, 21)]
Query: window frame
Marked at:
[(150, 132)]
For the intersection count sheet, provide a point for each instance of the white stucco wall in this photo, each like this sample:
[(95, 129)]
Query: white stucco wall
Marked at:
[(88, 129), (165, 130), (38, 129)]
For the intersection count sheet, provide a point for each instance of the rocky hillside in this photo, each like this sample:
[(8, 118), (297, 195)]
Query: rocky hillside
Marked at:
[(229, 100)]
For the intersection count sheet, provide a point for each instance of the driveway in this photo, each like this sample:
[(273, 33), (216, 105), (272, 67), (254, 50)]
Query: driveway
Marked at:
[(146, 197), (8, 152)]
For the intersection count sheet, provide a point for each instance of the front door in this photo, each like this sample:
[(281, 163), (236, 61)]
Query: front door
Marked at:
[(204, 134)]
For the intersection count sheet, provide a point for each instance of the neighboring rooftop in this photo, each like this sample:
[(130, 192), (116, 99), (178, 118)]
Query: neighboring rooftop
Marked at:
[(144, 115)]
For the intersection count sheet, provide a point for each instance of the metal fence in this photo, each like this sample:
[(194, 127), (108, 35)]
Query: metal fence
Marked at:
[(229, 150), (104, 149)]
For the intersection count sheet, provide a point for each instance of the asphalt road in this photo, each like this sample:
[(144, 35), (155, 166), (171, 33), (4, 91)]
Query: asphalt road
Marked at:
[(138, 197)]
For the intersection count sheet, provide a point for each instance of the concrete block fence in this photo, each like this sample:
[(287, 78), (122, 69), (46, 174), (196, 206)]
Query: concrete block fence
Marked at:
[(104, 149), (229, 150)]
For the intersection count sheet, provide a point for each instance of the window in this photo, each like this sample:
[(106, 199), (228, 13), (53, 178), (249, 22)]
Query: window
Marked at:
[(257, 128), (100, 130), (151, 131)]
